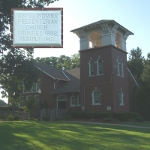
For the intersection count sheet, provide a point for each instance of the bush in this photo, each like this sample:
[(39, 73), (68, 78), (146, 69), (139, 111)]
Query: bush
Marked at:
[(108, 120), (10, 118), (139, 118), (101, 115), (67, 117), (46, 118), (16, 118)]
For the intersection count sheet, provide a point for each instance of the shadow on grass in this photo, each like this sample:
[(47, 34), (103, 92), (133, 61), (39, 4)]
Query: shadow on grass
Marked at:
[(70, 136)]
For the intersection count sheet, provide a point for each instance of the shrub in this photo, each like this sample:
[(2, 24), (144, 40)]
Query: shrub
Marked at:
[(10, 118), (102, 115), (139, 118), (108, 120), (67, 116), (16, 118), (46, 118)]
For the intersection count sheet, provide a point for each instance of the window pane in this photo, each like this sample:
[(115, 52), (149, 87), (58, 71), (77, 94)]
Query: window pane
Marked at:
[(100, 67), (91, 67), (97, 97)]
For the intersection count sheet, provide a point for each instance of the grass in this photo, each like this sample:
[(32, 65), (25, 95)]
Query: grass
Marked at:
[(30, 135)]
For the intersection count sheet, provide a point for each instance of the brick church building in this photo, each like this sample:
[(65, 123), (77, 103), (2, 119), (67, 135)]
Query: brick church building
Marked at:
[(103, 83)]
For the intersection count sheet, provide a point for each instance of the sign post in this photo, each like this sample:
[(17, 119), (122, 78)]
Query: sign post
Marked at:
[(37, 28)]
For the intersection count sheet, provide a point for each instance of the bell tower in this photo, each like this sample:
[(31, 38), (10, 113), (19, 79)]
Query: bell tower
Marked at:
[(103, 67), (102, 33)]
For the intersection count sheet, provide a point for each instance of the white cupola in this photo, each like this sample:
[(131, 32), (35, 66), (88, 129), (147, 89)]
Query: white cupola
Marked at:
[(102, 33)]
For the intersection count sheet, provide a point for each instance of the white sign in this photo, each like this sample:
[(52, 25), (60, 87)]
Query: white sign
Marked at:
[(37, 28)]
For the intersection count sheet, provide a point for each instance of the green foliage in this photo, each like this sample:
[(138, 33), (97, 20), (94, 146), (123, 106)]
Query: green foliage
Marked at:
[(16, 118), (31, 104), (10, 118), (16, 65), (140, 68), (91, 115), (62, 61), (46, 118), (139, 119)]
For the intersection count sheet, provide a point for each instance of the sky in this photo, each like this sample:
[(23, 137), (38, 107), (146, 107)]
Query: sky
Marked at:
[(132, 14)]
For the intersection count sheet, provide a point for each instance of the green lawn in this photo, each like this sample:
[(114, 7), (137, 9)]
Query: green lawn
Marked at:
[(71, 136)]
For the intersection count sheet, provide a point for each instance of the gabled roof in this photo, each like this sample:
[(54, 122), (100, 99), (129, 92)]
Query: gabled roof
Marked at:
[(52, 72), (75, 72), (71, 76), (98, 23), (73, 85)]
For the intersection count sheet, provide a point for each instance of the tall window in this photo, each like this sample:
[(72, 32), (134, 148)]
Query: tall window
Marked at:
[(96, 95), (95, 40), (118, 40), (99, 67), (120, 68), (35, 87), (91, 68), (78, 101), (121, 97), (72, 101)]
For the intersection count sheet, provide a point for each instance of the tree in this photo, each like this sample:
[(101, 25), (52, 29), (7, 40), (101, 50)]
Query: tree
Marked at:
[(135, 63), (140, 68), (75, 61), (52, 61), (62, 61), (16, 65)]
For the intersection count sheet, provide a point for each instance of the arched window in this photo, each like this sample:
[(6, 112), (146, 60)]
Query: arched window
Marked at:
[(61, 98), (91, 68), (95, 40), (99, 67), (121, 97), (78, 101), (72, 101), (118, 40), (96, 97)]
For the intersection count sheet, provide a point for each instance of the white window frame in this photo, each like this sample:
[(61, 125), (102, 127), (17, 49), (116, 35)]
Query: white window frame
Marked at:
[(71, 101), (78, 101), (93, 98), (90, 68), (121, 98), (120, 68), (37, 87)]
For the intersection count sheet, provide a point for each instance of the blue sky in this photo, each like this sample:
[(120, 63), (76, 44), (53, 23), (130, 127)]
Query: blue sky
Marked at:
[(132, 14)]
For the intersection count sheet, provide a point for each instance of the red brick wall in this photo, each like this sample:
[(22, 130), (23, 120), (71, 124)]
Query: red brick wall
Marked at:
[(109, 84)]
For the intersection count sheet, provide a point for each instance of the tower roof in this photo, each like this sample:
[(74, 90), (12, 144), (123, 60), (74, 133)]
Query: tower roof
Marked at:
[(99, 23)]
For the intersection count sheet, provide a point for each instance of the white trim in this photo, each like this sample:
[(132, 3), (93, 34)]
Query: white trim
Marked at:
[(65, 74), (132, 77), (93, 98), (73, 105), (78, 100)]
